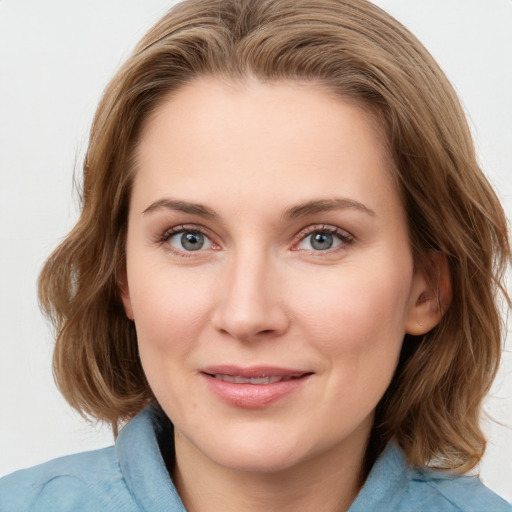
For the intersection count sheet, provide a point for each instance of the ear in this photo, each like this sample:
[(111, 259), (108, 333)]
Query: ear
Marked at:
[(431, 295), (124, 292)]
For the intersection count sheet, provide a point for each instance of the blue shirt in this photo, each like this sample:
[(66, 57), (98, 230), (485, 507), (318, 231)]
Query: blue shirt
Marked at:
[(132, 477)]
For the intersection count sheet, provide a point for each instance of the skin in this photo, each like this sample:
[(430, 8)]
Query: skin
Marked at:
[(259, 293)]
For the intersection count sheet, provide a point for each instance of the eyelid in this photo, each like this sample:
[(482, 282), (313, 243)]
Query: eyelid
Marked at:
[(184, 228), (346, 237)]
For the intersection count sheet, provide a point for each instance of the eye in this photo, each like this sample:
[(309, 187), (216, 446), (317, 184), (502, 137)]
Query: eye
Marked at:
[(187, 240), (324, 239)]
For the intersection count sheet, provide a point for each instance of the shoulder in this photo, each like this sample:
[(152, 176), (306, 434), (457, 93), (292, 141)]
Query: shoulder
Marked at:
[(130, 476), (395, 486), (454, 493), (85, 481)]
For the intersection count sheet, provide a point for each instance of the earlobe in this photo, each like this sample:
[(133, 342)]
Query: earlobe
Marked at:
[(124, 293), (431, 296)]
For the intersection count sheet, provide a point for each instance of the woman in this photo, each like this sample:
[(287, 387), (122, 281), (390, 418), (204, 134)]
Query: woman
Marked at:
[(284, 276)]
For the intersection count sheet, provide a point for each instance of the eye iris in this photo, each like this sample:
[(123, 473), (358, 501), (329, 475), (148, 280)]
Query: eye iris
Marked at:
[(321, 241), (192, 241)]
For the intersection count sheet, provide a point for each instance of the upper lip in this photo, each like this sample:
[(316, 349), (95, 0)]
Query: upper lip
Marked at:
[(254, 371)]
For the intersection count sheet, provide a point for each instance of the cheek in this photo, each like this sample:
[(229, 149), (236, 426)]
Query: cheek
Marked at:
[(170, 308), (355, 308), (355, 320), (171, 311)]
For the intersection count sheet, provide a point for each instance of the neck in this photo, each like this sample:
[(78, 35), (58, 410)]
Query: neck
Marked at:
[(325, 483)]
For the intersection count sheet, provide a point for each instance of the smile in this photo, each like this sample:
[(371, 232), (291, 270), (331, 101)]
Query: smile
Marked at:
[(255, 387), (252, 380)]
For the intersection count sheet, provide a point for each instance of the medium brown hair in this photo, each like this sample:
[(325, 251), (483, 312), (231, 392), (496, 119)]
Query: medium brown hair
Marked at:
[(433, 406)]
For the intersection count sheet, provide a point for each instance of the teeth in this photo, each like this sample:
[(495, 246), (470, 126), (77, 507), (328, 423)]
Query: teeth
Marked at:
[(235, 379)]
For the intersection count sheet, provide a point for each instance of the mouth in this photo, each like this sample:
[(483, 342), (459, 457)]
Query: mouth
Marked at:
[(253, 387), (237, 379), (254, 375)]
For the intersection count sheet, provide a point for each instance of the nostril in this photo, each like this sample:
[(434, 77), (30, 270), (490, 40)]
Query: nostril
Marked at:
[(250, 319)]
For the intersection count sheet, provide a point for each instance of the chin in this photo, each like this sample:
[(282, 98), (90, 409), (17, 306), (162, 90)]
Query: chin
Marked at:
[(259, 459), (254, 450)]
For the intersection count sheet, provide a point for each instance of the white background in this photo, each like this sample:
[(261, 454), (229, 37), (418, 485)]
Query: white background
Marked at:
[(56, 56)]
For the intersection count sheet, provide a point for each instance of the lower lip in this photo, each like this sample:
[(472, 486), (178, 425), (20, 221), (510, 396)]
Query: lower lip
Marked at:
[(253, 396)]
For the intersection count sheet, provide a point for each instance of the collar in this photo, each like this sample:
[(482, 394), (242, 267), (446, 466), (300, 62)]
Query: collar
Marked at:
[(143, 466), (386, 483)]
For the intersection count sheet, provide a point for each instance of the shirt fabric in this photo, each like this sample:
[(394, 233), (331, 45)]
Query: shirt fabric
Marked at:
[(132, 477)]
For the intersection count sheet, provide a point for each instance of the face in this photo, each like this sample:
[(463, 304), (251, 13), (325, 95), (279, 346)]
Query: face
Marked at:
[(269, 272)]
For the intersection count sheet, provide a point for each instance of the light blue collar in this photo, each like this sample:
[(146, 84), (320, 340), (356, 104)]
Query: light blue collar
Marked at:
[(143, 466)]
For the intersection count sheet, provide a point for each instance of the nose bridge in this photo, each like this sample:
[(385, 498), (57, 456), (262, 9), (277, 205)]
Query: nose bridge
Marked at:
[(249, 303)]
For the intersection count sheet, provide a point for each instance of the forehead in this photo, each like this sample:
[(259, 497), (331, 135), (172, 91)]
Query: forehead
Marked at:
[(286, 139), (208, 102)]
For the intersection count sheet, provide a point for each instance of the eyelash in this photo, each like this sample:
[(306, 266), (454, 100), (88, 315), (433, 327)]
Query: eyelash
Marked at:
[(344, 237), (181, 229)]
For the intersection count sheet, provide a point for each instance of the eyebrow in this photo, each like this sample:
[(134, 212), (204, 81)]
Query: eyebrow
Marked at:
[(301, 210), (325, 205), (181, 206)]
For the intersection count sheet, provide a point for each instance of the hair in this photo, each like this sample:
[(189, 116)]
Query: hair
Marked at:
[(432, 408)]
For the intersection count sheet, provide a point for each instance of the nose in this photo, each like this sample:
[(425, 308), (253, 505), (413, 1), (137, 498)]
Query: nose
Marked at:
[(250, 302)]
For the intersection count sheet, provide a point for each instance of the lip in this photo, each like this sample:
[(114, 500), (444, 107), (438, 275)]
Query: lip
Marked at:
[(254, 395)]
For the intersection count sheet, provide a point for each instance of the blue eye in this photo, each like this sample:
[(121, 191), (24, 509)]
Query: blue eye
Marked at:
[(324, 239), (321, 241), (189, 241)]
